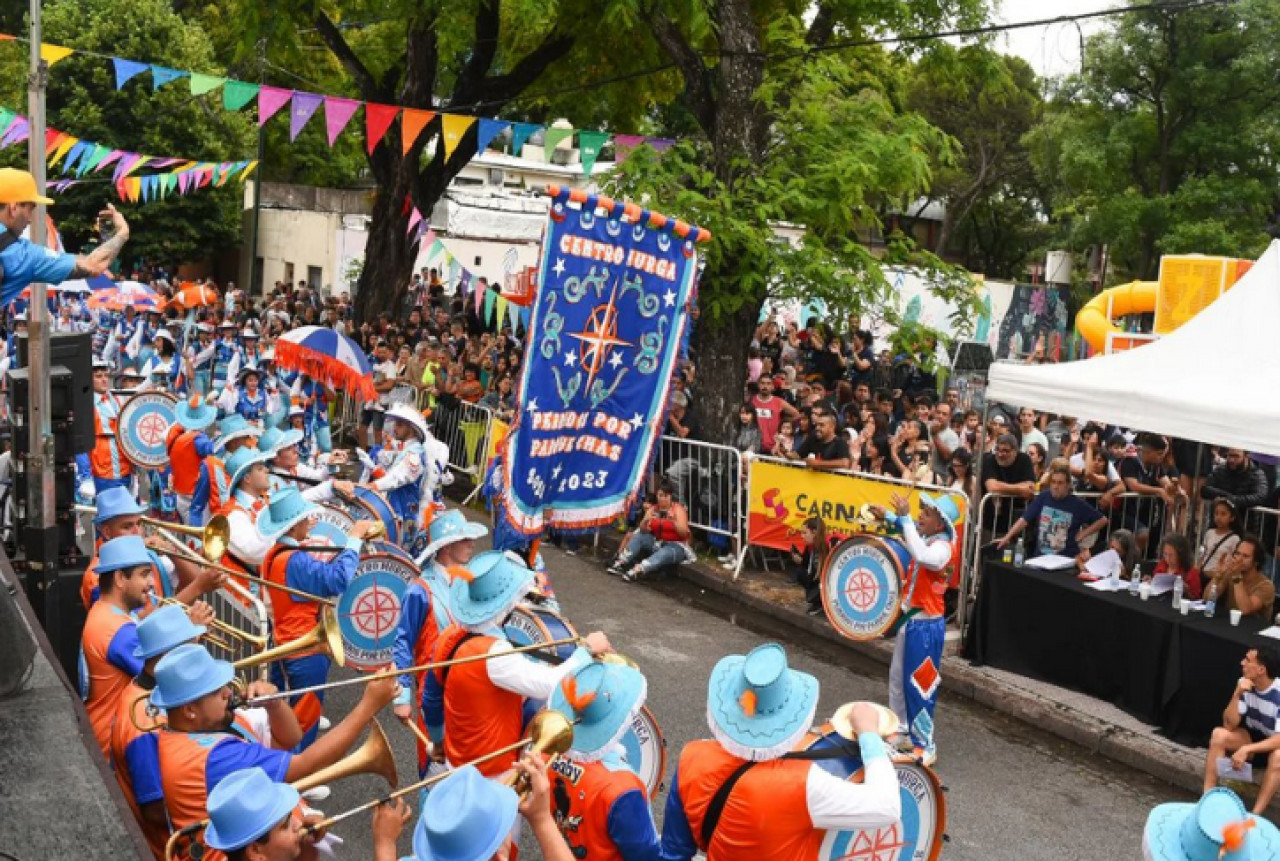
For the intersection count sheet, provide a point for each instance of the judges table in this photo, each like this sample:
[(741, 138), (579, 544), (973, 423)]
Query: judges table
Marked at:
[(1176, 672)]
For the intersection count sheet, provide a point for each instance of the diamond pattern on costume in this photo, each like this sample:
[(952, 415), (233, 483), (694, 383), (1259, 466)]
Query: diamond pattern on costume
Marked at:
[(926, 678), (922, 727)]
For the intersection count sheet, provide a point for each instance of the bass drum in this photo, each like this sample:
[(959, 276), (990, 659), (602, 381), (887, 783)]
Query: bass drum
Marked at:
[(917, 836), (528, 625), (645, 750), (862, 585), (368, 504), (142, 428), (369, 610), (332, 527)]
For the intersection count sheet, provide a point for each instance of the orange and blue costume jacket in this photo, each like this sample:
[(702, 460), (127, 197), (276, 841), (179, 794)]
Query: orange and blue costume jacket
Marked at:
[(187, 451), (602, 810), (105, 460), (107, 665)]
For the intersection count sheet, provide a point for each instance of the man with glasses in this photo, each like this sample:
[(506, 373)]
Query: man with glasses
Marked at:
[(1006, 471), (22, 261)]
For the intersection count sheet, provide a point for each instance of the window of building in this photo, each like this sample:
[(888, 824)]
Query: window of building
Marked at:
[(288, 273), (315, 275)]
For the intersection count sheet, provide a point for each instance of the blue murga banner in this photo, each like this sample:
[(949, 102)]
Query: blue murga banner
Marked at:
[(607, 327)]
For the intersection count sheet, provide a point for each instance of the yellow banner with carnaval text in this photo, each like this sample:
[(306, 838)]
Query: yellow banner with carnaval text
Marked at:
[(783, 497)]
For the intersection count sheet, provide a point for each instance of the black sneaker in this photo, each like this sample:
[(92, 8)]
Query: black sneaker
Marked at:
[(614, 570)]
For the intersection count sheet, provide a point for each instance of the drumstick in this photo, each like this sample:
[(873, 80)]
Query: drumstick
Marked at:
[(417, 730)]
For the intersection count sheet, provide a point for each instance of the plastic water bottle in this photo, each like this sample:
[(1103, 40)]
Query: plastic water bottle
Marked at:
[(1178, 586), (1135, 580), (1020, 552), (1210, 599)]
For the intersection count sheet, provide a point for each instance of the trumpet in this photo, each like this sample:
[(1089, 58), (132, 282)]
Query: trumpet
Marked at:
[(549, 732), (190, 555), (372, 757), (256, 640), (214, 535), (389, 674)]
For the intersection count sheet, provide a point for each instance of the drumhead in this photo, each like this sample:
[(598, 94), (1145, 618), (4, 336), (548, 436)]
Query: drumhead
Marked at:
[(333, 525), (862, 586), (645, 750), (143, 428), (369, 610), (529, 625)]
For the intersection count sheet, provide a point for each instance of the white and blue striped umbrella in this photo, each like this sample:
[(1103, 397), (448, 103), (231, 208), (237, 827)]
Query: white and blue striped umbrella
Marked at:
[(326, 356)]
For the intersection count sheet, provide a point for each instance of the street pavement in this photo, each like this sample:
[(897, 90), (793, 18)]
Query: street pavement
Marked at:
[(1013, 792)]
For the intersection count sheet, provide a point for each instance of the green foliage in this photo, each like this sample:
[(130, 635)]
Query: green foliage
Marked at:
[(83, 101), (1165, 144)]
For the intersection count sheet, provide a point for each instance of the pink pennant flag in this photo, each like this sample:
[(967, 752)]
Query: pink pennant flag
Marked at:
[(183, 178), (112, 156), (304, 105), (414, 218), (430, 237), (127, 162), (479, 299), (624, 144), (270, 101), (337, 113)]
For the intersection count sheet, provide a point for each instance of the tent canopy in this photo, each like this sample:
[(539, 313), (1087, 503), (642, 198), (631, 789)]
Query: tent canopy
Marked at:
[(1215, 380)]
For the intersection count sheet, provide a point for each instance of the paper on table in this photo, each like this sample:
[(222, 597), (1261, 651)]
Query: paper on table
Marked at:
[(1103, 564), (1105, 585), (1227, 772), (1162, 583), (1051, 562), (1273, 632)]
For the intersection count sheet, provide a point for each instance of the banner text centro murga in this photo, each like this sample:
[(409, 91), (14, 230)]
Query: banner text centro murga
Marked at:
[(607, 329)]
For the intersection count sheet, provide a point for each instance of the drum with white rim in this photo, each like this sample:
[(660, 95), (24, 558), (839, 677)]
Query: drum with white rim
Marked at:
[(369, 610), (142, 429), (530, 624), (645, 750)]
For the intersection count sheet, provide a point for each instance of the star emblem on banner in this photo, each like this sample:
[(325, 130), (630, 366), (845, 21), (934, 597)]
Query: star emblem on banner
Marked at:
[(636, 421), (669, 299), (555, 473), (599, 337), (559, 267), (615, 360), (532, 406), (570, 357)]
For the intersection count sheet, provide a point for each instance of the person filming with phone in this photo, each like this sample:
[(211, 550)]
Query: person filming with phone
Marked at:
[(23, 261)]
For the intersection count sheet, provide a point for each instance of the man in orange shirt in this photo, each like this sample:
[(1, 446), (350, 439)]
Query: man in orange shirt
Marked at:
[(110, 637), (110, 468), (188, 446), (916, 672)]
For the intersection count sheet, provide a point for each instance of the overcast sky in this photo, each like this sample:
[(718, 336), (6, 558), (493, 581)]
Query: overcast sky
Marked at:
[(1054, 49)]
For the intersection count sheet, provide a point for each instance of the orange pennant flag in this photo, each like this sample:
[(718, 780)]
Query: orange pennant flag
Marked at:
[(411, 125)]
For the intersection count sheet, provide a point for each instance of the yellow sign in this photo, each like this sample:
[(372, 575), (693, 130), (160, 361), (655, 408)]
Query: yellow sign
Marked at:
[(784, 497), (1189, 283)]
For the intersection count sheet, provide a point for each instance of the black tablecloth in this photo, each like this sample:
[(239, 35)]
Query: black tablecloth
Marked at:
[(1176, 672)]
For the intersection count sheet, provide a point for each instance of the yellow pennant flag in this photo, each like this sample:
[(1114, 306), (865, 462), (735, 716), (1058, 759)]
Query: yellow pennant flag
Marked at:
[(139, 163), (62, 148), (453, 127), (53, 53), (244, 174)]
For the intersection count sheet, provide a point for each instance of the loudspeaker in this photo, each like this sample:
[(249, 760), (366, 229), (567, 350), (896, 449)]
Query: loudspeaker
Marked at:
[(73, 351), (62, 409)]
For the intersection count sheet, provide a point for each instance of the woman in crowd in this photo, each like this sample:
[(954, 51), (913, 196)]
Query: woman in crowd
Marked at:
[(1175, 558), (808, 560), (1039, 463), (875, 458), (1220, 539), (960, 474), (748, 436), (1123, 543)]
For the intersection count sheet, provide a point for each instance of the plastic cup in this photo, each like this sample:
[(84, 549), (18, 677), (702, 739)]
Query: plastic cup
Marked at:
[(1144, 591), (1235, 617), (1186, 606)]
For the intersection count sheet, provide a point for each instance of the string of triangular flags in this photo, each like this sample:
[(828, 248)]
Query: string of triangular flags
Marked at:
[(378, 118), (490, 305), (67, 153)]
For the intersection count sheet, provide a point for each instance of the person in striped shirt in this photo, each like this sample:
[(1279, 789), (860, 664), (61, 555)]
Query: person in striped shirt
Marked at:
[(1251, 725)]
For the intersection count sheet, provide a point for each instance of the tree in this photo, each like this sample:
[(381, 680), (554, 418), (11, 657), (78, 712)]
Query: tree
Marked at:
[(988, 103), (790, 132), (83, 101), (477, 58), (1166, 142)]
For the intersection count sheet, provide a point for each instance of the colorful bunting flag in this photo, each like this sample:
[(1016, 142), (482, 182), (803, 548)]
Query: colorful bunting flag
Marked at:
[(489, 298), (488, 130), (201, 84), (113, 156), (51, 54), (337, 113), (520, 133), (552, 138), (377, 119), (454, 126), (589, 145), (62, 148), (237, 94), (501, 308), (271, 100), (411, 126), (126, 70), (304, 105), (414, 218), (161, 75)]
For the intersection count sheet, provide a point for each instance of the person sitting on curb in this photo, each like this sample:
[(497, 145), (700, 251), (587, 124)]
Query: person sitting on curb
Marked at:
[(661, 539), (1249, 731)]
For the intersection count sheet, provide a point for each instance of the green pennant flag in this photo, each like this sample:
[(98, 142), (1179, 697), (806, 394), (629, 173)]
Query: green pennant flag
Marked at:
[(513, 316), (6, 117), (87, 164), (551, 139), (589, 146), (201, 84), (237, 94), (488, 306)]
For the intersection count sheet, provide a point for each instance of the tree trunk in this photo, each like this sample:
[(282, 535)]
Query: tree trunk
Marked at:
[(720, 356)]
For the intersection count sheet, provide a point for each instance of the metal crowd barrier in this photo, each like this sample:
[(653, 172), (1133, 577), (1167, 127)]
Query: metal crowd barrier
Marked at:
[(465, 428), (237, 607), (710, 482)]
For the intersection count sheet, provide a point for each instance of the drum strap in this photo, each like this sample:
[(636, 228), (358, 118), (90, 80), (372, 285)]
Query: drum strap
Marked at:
[(841, 748), (716, 807), (444, 671)]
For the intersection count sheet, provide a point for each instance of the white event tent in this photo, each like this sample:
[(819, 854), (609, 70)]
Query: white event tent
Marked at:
[(1215, 380)]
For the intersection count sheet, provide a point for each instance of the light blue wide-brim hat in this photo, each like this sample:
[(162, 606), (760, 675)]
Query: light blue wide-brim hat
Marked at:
[(166, 628), (244, 806), (195, 413), (449, 527), (233, 427), (946, 508), (239, 464), (288, 506), (1199, 831), (116, 502), (465, 818), (488, 588), (188, 673), (600, 700), (758, 707), (274, 440), (127, 551)]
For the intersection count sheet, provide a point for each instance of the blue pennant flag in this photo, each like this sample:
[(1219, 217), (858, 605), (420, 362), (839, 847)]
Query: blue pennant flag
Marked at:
[(126, 69), (486, 132), (607, 329), (519, 134), (161, 75)]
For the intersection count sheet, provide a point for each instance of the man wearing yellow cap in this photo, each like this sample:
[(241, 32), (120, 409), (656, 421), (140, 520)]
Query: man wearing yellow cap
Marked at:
[(22, 261)]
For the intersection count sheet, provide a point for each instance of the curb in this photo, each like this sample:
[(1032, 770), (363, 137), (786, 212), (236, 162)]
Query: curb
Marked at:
[(1150, 754)]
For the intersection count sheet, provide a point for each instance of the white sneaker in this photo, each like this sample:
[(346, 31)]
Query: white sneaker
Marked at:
[(324, 724), (317, 794)]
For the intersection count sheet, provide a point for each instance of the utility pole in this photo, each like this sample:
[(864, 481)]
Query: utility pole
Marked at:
[(256, 285), (41, 542)]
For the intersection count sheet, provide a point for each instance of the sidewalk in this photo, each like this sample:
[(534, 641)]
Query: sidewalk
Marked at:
[(1093, 724)]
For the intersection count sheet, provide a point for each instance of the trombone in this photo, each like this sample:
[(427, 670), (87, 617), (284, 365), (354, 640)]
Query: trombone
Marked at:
[(549, 732), (214, 535), (372, 757), (393, 673), (258, 641), (190, 555)]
